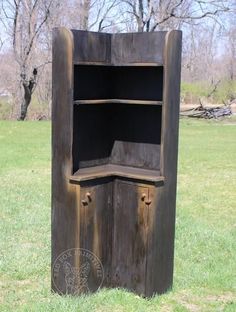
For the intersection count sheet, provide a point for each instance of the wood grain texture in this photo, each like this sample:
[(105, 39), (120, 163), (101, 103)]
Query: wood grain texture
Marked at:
[(118, 49), (91, 47), (64, 202), (96, 226), (109, 170), (137, 48), (117, 101), (161, 240), (130, 236)]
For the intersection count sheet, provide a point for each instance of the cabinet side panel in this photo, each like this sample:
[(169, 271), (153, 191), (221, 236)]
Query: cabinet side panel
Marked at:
[(161, 245), (64, 213), (137, 48)]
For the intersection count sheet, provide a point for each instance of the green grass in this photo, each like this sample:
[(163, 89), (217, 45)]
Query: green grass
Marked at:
[(205, 252)]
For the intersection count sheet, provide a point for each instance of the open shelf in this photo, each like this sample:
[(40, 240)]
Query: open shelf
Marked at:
[(152, 64), (114, 134), (118, 101), (109, 170), (94, 82)]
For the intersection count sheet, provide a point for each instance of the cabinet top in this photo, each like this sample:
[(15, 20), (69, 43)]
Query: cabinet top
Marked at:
[(120, 48)]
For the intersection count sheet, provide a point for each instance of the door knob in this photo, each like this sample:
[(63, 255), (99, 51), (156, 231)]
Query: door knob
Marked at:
[(143, 196), (87, 199), (148, 202)]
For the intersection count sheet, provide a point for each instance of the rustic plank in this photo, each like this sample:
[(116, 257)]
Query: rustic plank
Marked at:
[(130, 236), (122, 64), (117, 101), (109, 170), (96, 227), (159, 277), (91, 47), (64, 197), (137, 48)]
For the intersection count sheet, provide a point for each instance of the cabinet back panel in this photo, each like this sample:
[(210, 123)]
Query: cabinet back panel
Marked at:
[(92, 82), (136, 135), (144, 83)]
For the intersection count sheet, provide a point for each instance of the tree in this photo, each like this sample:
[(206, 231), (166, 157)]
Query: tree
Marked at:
[(151, 15), (24, 22), (94, 15)]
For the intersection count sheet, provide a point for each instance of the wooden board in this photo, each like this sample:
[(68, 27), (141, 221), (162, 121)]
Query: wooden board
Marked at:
[(96, 227), (117, 101), (120, 64), (91, 47), (64, 201), (109, 170), (137, 48), (130, 237), (161, 251)]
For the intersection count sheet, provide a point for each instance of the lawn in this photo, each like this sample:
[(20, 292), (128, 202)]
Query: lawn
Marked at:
[(205, 249)]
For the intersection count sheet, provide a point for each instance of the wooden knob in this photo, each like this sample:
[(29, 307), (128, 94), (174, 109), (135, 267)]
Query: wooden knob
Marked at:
[(143, 196), (148, 202), (88, 194)]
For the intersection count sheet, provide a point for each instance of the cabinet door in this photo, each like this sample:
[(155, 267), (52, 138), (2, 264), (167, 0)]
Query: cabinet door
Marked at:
[(130, 236), (96, 223)]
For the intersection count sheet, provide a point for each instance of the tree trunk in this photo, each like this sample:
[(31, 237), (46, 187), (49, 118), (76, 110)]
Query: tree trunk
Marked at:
[(28, 90)]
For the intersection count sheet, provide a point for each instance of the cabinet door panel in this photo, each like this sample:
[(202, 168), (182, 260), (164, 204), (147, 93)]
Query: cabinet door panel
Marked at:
[(130, 236), (96, 223)]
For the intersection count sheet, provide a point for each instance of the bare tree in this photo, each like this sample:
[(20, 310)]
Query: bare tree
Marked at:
[(151, 15), (95, 15), (231, 49), (24, 22)]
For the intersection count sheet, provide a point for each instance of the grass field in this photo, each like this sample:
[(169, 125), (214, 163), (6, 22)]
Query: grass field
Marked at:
[(205, 252)]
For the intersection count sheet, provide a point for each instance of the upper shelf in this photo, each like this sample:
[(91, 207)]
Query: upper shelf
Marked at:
[(145, 64), (103, 171), (119, 101)]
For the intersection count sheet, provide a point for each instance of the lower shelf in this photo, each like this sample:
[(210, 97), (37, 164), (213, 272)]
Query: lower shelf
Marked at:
[(91, 173), (118, 101)]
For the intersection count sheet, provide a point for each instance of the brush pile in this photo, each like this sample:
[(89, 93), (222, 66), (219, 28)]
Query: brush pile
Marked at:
[(208, 112)]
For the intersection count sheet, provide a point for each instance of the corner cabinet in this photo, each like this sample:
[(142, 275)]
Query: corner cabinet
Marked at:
[(114, 158)]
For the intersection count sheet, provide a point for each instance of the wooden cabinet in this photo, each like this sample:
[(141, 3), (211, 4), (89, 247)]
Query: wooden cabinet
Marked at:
[(115, 114)]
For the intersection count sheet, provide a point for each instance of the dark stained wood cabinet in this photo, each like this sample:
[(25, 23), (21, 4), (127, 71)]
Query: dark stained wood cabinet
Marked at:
[(114, 155)]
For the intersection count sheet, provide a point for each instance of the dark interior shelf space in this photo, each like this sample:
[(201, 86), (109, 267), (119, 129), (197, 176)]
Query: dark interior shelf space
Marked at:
[(109, 170), (118, 101), (94, 82), (114, 134)]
